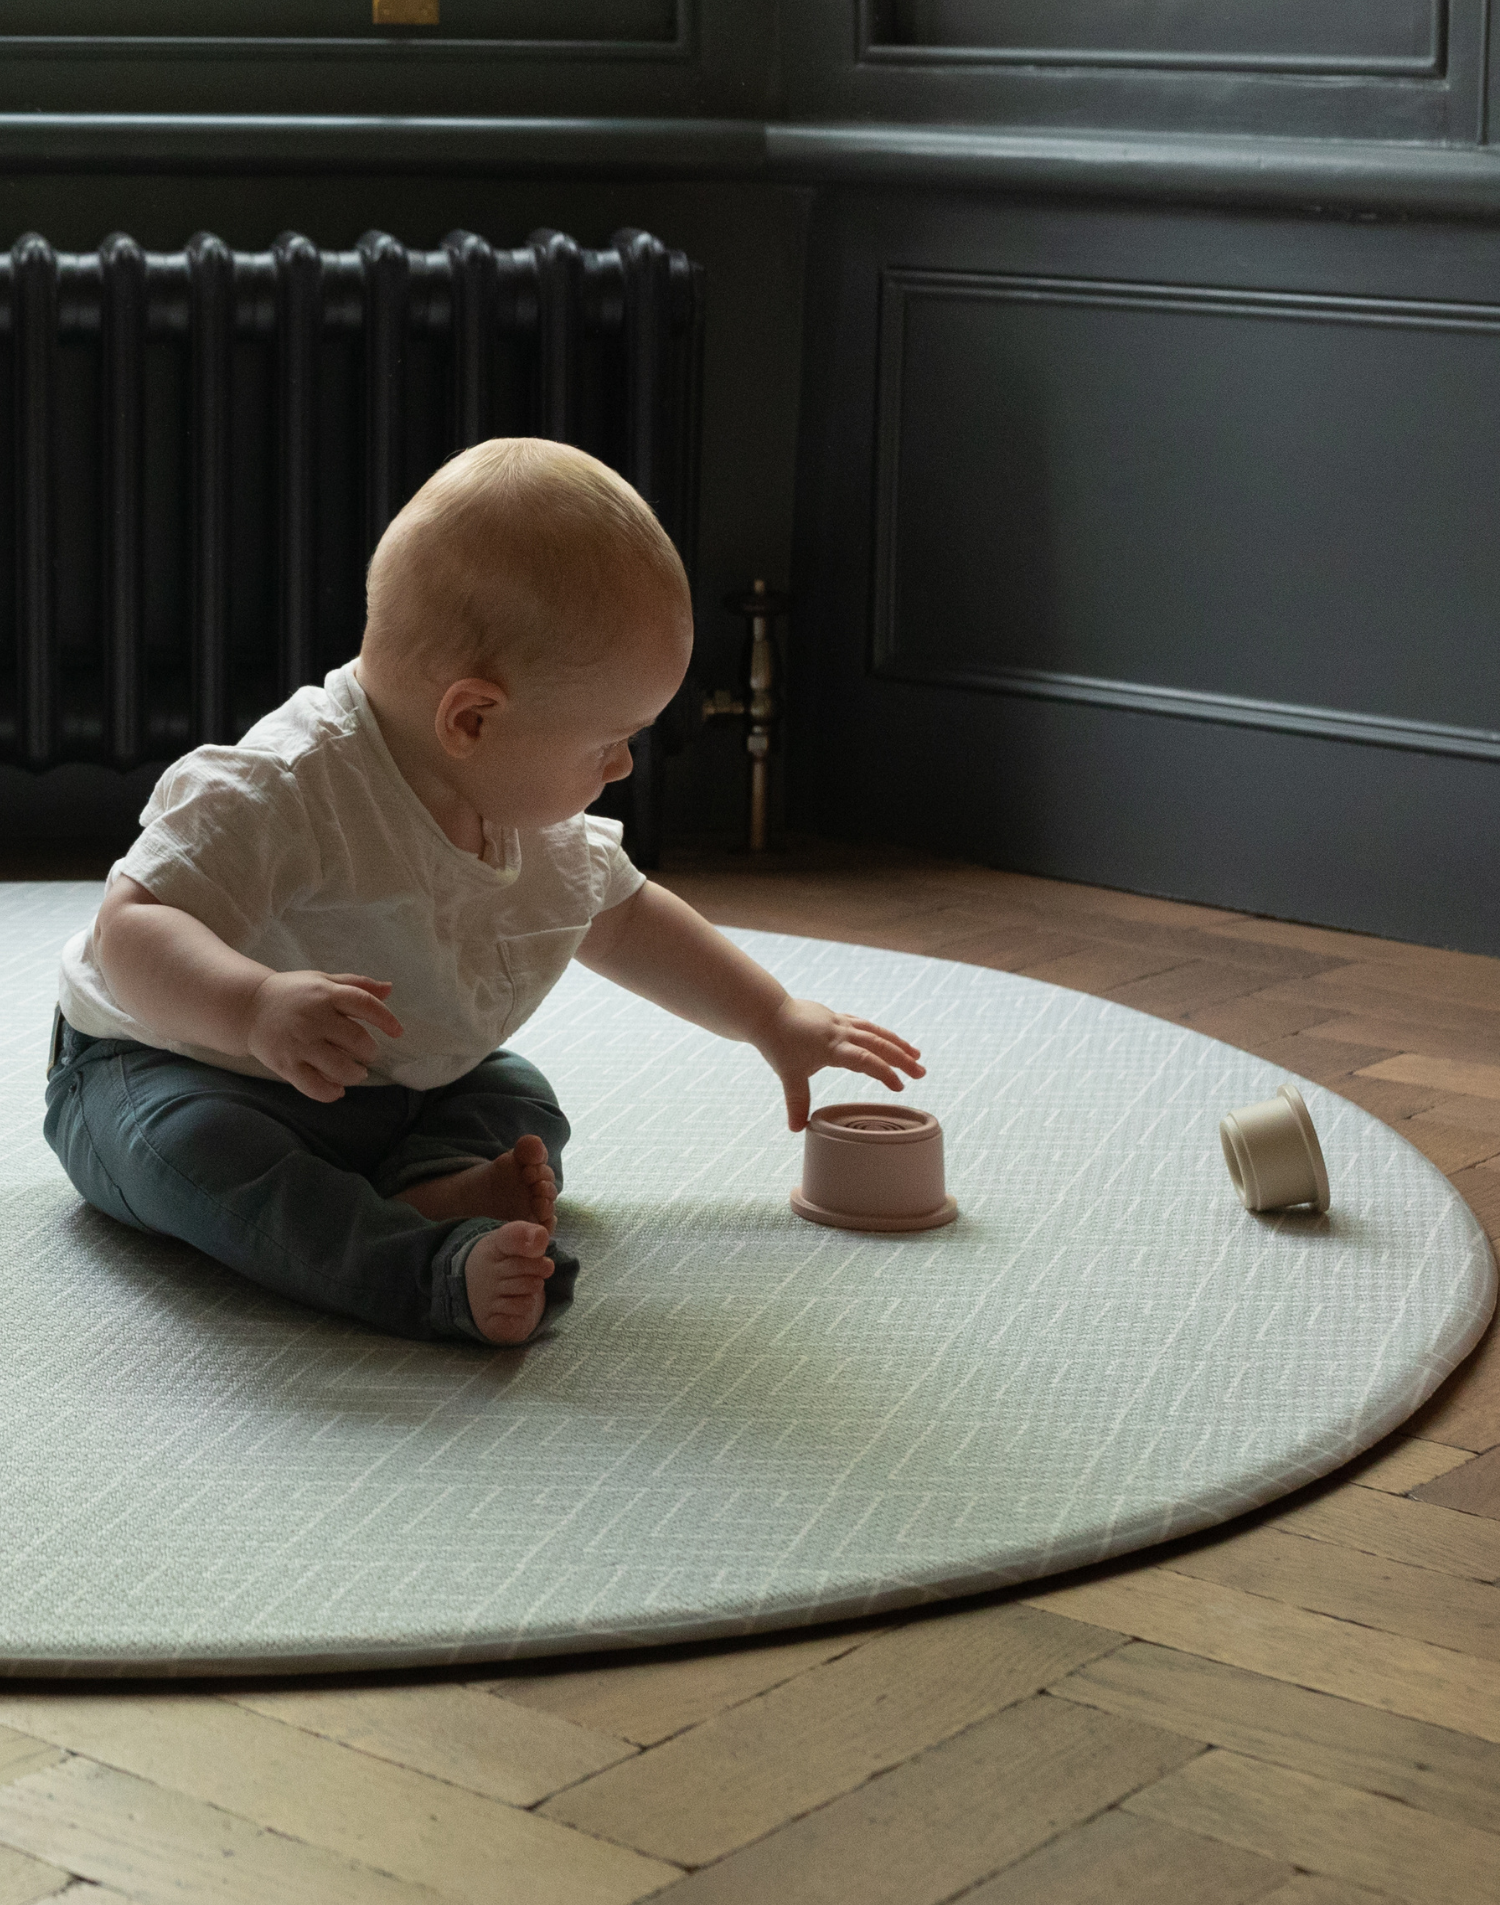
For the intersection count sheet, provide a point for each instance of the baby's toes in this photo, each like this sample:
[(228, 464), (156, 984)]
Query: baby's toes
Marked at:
[(509, 1319), (520, 1238)]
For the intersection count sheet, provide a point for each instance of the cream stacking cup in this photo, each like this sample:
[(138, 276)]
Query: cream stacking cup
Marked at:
[(873, 1167), (1273, 1154)]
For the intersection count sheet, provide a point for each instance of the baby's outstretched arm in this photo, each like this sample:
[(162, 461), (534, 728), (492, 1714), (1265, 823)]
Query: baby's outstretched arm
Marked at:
[(177, 976), (656, 945)]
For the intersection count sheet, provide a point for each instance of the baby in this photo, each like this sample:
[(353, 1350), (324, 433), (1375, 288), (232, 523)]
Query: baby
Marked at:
[(278, 1038)]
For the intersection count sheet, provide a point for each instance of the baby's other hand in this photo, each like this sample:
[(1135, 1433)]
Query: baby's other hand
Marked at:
[(305, 1027), (803, 1037)]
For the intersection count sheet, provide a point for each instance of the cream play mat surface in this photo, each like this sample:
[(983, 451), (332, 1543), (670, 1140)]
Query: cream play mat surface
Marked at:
[(746, 1421)]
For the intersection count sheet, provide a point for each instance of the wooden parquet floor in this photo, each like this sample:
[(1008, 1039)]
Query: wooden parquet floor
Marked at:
[(1302, 1707)]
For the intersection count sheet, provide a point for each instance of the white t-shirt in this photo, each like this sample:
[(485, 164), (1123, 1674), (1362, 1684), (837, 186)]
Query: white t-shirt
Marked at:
[(305, 848)]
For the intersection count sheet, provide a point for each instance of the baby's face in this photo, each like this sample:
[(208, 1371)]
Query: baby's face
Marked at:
[(555, 747)]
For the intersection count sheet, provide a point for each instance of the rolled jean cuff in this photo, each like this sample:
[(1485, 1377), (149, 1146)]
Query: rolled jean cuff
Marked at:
[(451, 1315)]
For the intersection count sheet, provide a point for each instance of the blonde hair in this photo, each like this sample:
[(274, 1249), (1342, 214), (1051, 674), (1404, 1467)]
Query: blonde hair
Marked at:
[(509, 560)]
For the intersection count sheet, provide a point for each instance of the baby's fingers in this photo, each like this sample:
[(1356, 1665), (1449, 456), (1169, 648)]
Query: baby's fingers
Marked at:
[(892, 1038), (348, 1035), (337, 1065), (855, 1058), (894, 1050), (352, 1000)]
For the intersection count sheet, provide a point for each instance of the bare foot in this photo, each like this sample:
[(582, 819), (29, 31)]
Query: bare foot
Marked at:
[(517, 1184), (505, 1274)]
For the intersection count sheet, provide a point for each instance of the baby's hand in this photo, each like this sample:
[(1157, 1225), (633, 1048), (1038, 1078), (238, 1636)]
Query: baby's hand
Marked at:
[(803, 1037), (304, 1026)]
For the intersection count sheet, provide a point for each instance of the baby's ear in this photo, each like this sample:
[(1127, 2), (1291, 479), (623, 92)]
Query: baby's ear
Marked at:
[(461, 713)]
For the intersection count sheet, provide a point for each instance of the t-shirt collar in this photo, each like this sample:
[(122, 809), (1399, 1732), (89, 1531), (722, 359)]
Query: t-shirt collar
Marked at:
[(502, 845)]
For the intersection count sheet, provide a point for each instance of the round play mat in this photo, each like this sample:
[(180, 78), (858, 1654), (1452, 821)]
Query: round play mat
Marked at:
[(746, 1421)]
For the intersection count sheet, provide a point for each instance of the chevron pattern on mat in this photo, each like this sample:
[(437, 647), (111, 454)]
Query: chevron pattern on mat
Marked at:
[(746, 1421)]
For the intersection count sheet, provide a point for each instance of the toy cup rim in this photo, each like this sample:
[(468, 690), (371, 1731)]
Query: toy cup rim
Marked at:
[(1305, 1125), (918, 1125)]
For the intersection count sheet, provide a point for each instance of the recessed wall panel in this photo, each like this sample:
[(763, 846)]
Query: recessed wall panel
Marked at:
[(1341, 34), (1251, 496)]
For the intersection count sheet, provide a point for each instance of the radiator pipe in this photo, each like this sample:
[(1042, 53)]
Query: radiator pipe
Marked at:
[(299, 303), (473, 270), (123, 359), (560, 323), (756, 705), (387, 283), (33, 265), (211, 279)]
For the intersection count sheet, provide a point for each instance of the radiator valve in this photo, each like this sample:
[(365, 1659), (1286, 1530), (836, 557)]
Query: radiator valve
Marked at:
[(756, 704)]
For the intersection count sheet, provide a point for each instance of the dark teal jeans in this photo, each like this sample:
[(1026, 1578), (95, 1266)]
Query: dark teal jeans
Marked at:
[(296, 1195)]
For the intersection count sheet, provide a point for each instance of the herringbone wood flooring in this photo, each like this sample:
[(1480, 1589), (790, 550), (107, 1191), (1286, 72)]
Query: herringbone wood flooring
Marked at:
[(1303, 1707)]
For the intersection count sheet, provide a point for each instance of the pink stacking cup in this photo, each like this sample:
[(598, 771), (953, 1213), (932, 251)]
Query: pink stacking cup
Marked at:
[(873, 1167)]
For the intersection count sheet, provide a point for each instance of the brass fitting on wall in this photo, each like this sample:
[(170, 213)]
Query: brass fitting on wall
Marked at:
[(756, 704)]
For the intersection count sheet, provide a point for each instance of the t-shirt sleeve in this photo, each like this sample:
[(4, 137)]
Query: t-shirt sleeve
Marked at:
[(613, 875), (225, 838)]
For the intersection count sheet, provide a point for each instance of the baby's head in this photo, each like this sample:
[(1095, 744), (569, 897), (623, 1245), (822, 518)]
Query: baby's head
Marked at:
[(525, 596)]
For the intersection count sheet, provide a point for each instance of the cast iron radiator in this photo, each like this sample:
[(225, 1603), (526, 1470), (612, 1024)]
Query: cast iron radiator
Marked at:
[(208, 444)]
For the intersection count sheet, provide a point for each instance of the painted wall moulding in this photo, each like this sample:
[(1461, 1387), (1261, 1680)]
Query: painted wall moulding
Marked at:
[(1310, 175)]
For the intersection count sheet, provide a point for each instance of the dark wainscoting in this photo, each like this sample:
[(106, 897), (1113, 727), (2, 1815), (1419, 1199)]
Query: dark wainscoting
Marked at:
[(1158, 548)]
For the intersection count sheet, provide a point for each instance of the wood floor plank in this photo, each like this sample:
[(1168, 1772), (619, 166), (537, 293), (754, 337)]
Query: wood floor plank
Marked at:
[(1404, 1033), (1451, 1147), (21, 1753), (1474, 1490), (1471, 980), (648, 1698), (1471, 1114), (1448, 1074), (24, 1880), (1289, 1643), (1345, 991), (1326, 1828), (491, 1746), (1251, 1024), (1479, 1187), (1328, 1061), (1465, 1411), (1010, 948), (1184, 988), (1351, 948), (1389, 1596), (159, 1847), (1394, 1104), (1101, 966), (418, 1828), (745, 1772), (1306, 1890), (1405, 1462), (1443, 1772), (1419, 1533), (1118, 1860), (949, 1816)]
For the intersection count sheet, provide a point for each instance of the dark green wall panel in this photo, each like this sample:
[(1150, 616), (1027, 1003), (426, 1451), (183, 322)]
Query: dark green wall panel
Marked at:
[(1265, 496), (1157, 548)]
